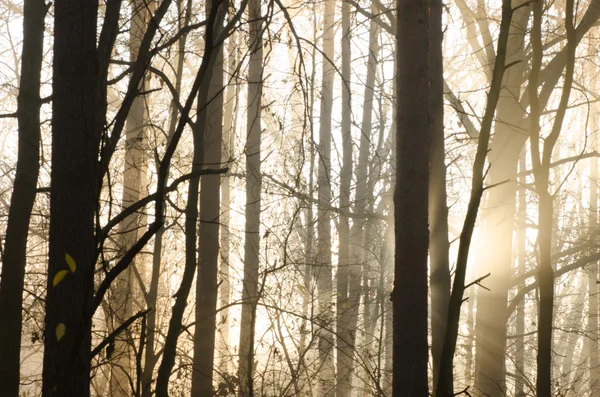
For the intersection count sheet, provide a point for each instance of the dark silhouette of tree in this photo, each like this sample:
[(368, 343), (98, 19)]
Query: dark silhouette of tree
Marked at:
[(23, 196), (409, 297)]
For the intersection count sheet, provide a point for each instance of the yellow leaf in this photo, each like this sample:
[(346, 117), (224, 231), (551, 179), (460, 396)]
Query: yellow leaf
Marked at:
[(71, 262), (60, 331), (59, 276)]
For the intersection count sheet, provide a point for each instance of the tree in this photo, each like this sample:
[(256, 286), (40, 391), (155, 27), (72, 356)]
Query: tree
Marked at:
[(23, 195), (323, 270), (445, 387), (75, 142), (208, 235), (250, 292), (409, 297)]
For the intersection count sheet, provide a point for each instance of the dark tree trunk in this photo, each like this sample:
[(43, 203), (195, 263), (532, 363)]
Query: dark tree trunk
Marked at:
[(409, 296), (23, 196), (208, 235), (74, 181)]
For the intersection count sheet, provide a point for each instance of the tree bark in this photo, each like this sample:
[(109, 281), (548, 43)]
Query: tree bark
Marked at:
[(409, 297), (23, 196), (74, 181)]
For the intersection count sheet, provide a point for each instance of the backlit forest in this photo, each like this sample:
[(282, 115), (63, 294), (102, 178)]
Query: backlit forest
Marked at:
[(277, 198)]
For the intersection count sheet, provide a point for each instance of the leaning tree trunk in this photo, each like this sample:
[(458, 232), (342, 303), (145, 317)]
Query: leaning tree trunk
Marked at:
[(253, 203), (134, 175), (208, 235), (74, 181), (323, 271), (409, 297), (23, 196), (444, 388)]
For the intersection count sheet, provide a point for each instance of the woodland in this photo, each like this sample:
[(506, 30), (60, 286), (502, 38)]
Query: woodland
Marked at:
[(328, 198)]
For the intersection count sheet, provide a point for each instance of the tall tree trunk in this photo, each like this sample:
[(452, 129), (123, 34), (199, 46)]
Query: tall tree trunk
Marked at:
[(201, 89), (592, 271), (23, 196), (323, 269), (134, 174), (439, 245), (228, 155), (540, 159), (250, 293), (409, 297), (363, 198), (74, 181), (208, 236), (345, 335)]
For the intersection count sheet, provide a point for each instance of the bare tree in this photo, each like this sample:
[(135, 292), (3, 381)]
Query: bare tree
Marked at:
[(23, 195)]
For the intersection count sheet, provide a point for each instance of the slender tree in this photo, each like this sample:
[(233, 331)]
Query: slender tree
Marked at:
[(250, 292), (346, 307), (444, 387), (208, 235), (323, 269), (541, 158), (23, 195)]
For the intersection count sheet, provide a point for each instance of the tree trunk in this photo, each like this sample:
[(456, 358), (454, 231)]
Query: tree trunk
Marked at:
[(439, 245), (541, 168), (444, 387), (228, 155), (208, 236), (74, 181), (253, 202), (409, 297), (134, 174), (23, 196), (201, 88), (345, 335), (521, 268), (323, 270)]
